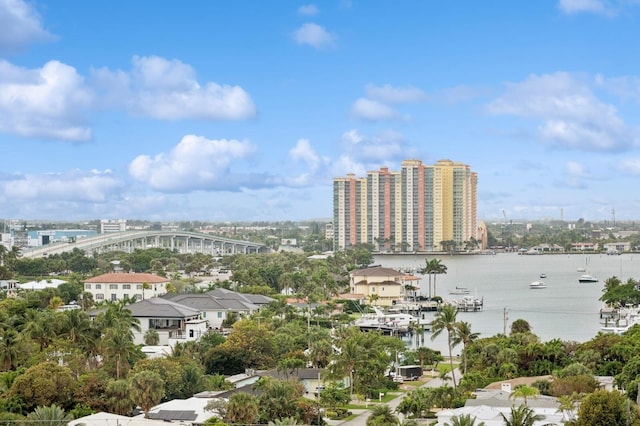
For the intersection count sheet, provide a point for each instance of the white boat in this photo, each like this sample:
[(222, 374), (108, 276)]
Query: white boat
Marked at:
[(586, 278), (537, 285), (397, 321), (459, 290), (543, 275)]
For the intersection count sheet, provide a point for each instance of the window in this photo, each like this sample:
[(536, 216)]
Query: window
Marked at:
[(373, 289), (138, 286), (138, 297), (219, 314), (98, 286), (125, 296), (113, 297), (113, 286), (99, 296), (126, 286), (87, 286)]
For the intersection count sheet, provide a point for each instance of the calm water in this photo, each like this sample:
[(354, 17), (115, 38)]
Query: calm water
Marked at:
[(566, 309)]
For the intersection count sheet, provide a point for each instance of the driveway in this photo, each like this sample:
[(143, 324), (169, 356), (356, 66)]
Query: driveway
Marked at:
[(362, 415)]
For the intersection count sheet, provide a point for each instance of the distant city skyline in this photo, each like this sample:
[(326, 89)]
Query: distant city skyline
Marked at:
[(247, 110)]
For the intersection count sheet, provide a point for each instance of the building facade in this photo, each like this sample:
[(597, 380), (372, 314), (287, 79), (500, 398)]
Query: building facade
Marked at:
[(419, 208), (119, 286)]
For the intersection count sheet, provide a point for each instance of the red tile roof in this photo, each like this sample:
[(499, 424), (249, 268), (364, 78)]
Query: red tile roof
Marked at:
[(128, 278)]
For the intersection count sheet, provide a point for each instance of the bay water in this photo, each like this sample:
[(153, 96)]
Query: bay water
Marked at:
[(566, 309)]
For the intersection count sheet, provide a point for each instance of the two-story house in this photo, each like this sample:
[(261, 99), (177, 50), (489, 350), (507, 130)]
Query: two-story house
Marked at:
[(119, 286)]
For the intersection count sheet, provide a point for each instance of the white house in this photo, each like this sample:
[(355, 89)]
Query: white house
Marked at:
[(119, 286)]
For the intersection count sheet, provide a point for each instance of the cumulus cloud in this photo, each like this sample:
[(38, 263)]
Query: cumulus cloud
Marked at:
[(394, 95), (578, 6), (385, 147), (196, 163), (48, 102), (168, 90), (314, 165), (308, 10), (368, 109), (361, 152), (630, 166), (74, 186), (570, 115), (21, 25), (376, 103), (314, 35)]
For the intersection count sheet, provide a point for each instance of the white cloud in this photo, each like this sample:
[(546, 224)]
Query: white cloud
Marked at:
[(577, 6), (369, 109), (304, 151), (624, 86), (571, 115), (574, 168), (196, 163), (21, 25), (375, 106), (630, 166), (48, 102), (168, 90), (361, 153), (314, 35), (74, 186), (394, 95), (315, 166), (384, 147), (308, 10)]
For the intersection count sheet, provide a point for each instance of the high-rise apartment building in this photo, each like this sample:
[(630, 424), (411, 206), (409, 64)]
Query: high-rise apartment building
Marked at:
[(419, 208)]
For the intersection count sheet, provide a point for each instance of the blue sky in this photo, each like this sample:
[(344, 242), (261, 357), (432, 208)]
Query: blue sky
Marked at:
[(246, 110)]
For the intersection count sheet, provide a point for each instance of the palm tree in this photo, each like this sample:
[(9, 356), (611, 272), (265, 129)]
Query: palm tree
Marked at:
[(445, 319), (521, 416), (524, 392), (118, 347), (242, 408), (151, 337), (146, 389), (433, 267), (381, 415), (464, 420), (464, 335), (9, 348), (39, 326), (50, 416), (118, 397)]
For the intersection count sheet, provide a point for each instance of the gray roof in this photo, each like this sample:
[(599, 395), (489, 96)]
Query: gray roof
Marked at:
[(249, 301), (200, 301), (498, 398), (163, 308)]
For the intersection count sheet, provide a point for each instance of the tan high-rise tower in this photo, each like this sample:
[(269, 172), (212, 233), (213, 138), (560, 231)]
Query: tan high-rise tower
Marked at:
[(420, 208)]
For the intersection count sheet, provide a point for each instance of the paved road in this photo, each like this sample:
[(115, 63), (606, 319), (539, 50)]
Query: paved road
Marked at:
[(362, 415)]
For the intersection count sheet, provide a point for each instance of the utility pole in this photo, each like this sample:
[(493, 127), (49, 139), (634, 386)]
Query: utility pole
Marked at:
[(505, 318)]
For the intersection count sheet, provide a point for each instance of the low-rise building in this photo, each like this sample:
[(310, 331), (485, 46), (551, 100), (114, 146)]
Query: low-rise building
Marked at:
[(120, 286), (381, 286)]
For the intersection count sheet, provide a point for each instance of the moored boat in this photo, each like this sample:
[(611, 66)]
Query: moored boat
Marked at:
[(459, 290), (537, 285), (587, 278), (543, 275)]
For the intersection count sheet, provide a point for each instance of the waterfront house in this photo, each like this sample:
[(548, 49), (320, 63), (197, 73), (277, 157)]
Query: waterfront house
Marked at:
[(119, 286), (190, 411), (216, 305), (41, 284), (173, 322), (489, 405), (380, 286)]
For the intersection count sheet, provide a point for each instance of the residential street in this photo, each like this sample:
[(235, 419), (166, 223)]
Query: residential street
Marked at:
[(362, 415)]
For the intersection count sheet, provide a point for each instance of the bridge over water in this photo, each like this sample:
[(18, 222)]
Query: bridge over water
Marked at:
[(182, 241)]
